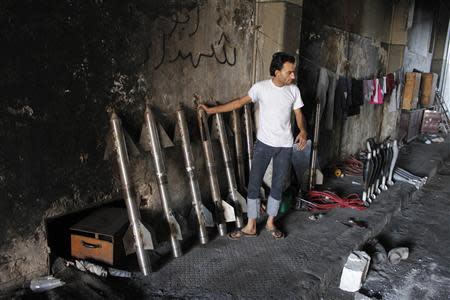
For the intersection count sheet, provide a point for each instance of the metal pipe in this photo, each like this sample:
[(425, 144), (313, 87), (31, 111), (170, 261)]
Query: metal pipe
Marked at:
[(247, 108), (407, 174), (370, 167), (383, 146), (212, 172), (410, 176), (128, 193), (374, 174), (234, 195), (255, 41), (416, 183), (239, 149), (192, 174), (312, 172), (386, 164), (400, 172), (393, 161), (379, 167), (366, 178), (161, 175), (371, 147), (248, 133)]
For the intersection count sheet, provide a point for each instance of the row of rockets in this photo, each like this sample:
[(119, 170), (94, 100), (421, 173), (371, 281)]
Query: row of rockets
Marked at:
[(152, 139), (378, 174)]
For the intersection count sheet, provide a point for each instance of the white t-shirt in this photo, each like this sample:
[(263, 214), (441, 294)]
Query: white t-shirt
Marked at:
[(275, 108)]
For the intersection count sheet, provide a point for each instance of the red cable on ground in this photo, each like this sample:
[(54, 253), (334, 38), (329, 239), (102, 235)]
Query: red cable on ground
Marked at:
[(322, 200), (352, 166)]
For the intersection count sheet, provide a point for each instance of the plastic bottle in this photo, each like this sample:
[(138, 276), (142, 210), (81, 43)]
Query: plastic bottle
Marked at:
[(46, 283)]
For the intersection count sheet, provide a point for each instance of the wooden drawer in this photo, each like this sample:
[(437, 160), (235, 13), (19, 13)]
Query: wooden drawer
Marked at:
[(93, 248), (99, 236)]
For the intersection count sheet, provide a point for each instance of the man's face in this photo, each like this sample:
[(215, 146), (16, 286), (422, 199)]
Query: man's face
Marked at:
[(286, 75)]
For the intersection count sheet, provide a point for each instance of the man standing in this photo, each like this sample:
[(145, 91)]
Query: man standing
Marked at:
[(277, 98)]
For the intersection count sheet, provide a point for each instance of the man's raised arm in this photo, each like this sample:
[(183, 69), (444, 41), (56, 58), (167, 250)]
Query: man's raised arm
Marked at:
[(229, 106)]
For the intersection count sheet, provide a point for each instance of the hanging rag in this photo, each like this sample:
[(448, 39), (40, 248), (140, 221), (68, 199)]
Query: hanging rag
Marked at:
[(399, 95), (399, 76), (357, 97), (380, 95), (342, 100), (393, 100), (390, 83), (383, 85), (321, 89), (377, 93), (368, 89), (326, 87)]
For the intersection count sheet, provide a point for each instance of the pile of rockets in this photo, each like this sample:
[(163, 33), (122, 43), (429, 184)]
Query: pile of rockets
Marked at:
[(405, 176), (152, 139), (379, 170)]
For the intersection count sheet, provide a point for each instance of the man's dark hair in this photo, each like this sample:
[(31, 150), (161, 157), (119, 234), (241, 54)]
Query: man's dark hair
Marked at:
[(278, 59)]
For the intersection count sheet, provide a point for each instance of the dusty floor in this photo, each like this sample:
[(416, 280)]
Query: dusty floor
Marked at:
[(423, 226), (307, 264)]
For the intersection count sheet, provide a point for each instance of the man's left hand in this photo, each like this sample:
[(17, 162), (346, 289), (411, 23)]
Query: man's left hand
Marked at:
[(301, 139)]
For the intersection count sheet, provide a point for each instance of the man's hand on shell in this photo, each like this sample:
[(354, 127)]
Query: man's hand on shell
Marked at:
[(205, 108)]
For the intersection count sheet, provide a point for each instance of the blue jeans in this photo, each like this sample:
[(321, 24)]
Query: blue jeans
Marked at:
[(262, 154), (301, 161)]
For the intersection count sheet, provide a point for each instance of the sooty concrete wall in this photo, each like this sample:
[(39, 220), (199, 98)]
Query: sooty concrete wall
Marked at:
[(362, 40), (64, 65)]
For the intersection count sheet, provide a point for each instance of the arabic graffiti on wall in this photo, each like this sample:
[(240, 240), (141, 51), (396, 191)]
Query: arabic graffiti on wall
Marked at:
[(219, 49)]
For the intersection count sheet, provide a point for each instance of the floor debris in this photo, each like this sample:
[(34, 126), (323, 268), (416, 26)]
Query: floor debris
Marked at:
[(355, 271), (398, 254)]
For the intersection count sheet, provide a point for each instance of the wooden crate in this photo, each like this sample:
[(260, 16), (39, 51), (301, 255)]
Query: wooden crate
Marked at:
[(428, 89), (431, 121), (99, 236), (411, 90), (410, 124)]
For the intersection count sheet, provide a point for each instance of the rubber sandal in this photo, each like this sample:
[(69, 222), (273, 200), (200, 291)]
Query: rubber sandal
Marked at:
[(236, 235), (276, 233)]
